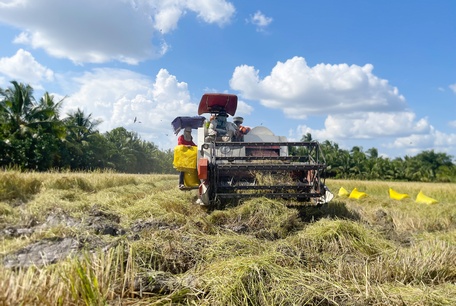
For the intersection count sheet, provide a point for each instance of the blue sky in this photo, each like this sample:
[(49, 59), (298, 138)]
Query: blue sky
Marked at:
[(368, 73)]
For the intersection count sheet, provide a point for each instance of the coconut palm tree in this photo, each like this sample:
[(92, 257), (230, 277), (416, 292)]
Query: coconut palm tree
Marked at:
[(30, 131), (15, 106), (20, 112), (80, 126), (82, 138)]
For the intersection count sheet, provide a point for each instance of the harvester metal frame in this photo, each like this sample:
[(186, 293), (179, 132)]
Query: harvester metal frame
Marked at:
[(226, 172)]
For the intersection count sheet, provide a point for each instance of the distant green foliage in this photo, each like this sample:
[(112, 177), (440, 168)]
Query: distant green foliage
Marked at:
[(34, 137), (427, 166)]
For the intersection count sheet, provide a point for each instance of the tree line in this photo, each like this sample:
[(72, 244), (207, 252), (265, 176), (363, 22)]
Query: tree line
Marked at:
[(427, 166), (33, 136)]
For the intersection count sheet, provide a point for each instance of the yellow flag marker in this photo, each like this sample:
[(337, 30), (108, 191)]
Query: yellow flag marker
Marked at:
[(355, 194), (396, 195), (421, 198), (343, 192)]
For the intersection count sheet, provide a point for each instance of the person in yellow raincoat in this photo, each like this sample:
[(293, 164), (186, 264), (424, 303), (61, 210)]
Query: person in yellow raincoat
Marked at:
[(185, 139)]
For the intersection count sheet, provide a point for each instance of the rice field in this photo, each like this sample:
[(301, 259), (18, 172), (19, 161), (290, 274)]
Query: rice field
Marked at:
[(103, 238)]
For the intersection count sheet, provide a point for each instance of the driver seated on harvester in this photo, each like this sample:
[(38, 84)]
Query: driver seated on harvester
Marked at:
[(240, 129), (220, 129)]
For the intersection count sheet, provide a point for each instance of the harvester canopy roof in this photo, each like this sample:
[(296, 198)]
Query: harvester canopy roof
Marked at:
[(218, 102), (180, 123)]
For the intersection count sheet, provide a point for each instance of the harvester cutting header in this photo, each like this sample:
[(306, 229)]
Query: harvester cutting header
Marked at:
[(230, 161)]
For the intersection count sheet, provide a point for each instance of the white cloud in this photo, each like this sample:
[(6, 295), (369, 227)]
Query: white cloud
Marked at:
[(260, 20), (23, 67), (243, 108), (212, 11), (368, 125), (168, 13), (167, 18), (300, 90), (452, 123), (359, 107), (402, 137), (453, 87), (117, 97), (101, 31), (434, 140)]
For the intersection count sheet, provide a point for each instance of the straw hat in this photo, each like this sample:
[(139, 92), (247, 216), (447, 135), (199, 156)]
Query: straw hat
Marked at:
[(238, 119)]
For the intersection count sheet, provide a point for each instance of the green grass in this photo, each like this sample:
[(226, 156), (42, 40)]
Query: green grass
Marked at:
[(372, 251)]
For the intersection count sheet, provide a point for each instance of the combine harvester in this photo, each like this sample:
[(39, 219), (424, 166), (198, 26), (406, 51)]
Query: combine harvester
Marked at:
[(259, 165)]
